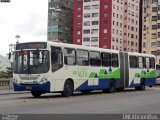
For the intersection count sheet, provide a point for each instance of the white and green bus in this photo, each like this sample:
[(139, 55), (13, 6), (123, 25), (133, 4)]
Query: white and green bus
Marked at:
[(45, 67)]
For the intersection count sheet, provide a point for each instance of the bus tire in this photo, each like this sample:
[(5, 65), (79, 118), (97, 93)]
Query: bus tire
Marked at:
[(36, 94), (68, 89), (111, 88), (142, 85)]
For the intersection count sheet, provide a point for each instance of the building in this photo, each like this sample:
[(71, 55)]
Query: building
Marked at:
[(151, 28), (60, 20), (112, 24)]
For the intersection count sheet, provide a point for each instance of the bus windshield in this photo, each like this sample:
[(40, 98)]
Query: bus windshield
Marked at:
[(31, 62)]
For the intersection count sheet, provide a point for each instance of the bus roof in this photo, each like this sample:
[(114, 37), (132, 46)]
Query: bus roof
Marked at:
[(82, 47), (51, 43)]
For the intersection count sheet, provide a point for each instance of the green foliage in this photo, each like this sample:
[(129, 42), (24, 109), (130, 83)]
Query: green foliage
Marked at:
[(6, 74)]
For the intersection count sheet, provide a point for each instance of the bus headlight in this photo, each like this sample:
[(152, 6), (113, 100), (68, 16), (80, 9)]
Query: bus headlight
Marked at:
[(14, 80), (43, 80)]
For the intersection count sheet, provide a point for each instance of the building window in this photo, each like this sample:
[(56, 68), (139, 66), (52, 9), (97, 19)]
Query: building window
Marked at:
[(154, 27), (87, 7), (86, 39), (87, 0), (86, 23), (79, 9), (94, 31), (154, 35), (78, 24), (153, 44), (105, 6), (87, 15), (78, 40), (78, 32), (154, 9), (95, 15), (94, 22), (86, 31), (154, 18), (95, 6), (94, 39), (105, 31), (105, 14)]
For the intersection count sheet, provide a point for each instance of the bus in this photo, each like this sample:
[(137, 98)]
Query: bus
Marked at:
[(46, 67), (158, 73)]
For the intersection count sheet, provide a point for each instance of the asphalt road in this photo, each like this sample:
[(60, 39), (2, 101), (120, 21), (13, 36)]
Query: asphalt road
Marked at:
[(129, 101)]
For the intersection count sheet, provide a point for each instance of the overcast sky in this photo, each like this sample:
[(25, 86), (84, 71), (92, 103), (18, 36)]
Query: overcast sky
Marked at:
[(27, 18)]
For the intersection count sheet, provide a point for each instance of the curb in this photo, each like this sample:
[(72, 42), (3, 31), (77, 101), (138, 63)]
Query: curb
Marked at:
[(10, 92)]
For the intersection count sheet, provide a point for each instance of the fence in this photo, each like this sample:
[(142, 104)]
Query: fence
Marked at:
[(5, 83)]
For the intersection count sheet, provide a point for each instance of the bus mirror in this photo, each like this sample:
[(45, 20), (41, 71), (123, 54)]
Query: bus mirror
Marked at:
[(9, 55)]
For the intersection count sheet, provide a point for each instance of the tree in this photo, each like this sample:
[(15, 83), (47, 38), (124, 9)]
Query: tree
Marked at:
[(6, 74)]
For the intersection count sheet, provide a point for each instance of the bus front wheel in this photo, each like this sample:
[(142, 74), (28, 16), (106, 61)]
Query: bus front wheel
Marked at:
[(68, 89), (36, 94)]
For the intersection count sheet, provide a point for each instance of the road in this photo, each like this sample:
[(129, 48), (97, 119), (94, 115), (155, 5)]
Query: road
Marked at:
[(129, 101)]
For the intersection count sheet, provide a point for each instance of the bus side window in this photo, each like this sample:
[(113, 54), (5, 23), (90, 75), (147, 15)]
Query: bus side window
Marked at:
[(147, 63), (115, 61), (133, 61), (106, 59), (82, 58), (69, 56), (56, 58), (94, 58), (140, 62), (152, 63)]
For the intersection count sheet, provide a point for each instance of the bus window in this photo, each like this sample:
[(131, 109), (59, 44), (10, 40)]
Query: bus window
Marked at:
[(144, 62), (140, 62), (56, 58), (82, 58), (152, 63), (158, 70), (94, 58), (133, 61), (147, 63), (115, 61), (106, 59), (69, 56)]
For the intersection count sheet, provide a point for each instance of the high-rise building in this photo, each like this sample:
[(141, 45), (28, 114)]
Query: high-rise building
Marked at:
[(60, 20), (112, 24), (151, 28)]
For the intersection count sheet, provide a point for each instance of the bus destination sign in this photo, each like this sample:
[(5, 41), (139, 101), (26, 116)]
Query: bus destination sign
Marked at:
[(32, 45)]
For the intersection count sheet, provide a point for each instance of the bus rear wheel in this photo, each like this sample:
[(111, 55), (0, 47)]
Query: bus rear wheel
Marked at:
[(36, 94), (142, 85), (68, 89)]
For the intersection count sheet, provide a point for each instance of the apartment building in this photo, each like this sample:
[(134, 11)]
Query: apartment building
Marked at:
[(151, 28), (112, 24)]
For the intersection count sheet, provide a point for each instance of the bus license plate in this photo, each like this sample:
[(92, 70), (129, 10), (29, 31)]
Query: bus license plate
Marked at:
[(29, 87)]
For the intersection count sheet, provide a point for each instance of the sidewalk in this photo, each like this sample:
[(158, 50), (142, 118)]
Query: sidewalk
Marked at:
[(10, 91)]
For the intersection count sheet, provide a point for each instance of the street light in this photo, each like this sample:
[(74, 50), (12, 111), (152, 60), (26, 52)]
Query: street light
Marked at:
[(17, 37)]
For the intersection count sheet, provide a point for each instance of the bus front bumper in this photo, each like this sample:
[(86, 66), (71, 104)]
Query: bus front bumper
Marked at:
[(45, 87)]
